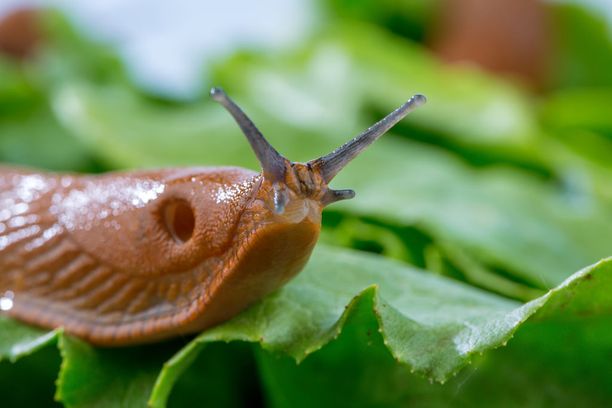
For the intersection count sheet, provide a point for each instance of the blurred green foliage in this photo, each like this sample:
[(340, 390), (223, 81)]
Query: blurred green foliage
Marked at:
[(486, 198)]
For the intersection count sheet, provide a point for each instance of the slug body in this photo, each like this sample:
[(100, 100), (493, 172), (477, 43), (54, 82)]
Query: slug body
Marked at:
[(135, 257)]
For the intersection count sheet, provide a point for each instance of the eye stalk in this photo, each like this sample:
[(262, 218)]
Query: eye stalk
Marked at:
[(274, 165), (331, 164)]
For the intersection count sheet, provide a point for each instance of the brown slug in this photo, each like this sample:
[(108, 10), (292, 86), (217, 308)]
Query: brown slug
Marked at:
[(134, 257)]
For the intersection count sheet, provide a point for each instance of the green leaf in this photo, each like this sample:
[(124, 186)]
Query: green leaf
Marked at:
[(411, 19), (429, 323), (579, 119), (583, 47), (18, 340), (502, 217), (56, 149), (356, 71), (69, 55), (583, 108), (33, 364), (223, 375), (558, 363), (17, 93), (30, 382), (433, 325), (466, 107), (98, 377), (30, 133)]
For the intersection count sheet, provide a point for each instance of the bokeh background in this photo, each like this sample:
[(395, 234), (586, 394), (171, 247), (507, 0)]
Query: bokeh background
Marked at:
[(502, 181)]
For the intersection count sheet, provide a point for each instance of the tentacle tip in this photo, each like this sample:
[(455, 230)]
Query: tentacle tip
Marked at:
[(217, 93), (346, 194), (333, 196), (419, 99)]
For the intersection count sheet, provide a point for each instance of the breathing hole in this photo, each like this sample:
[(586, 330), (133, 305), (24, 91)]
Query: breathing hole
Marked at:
[(179, 220)]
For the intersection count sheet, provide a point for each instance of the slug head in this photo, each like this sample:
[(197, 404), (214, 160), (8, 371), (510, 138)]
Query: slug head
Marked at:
[(296, 190)]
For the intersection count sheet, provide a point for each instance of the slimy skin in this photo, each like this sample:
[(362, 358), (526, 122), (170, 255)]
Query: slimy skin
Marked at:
[(136, 257), (95, 254)]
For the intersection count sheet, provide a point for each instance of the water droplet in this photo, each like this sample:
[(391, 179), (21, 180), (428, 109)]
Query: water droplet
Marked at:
[(6, 301)]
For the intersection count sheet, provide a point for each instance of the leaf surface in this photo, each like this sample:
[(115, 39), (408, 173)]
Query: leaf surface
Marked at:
[(431, 324)]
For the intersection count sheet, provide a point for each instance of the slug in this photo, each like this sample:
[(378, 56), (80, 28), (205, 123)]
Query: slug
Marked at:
[(135, 257)]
